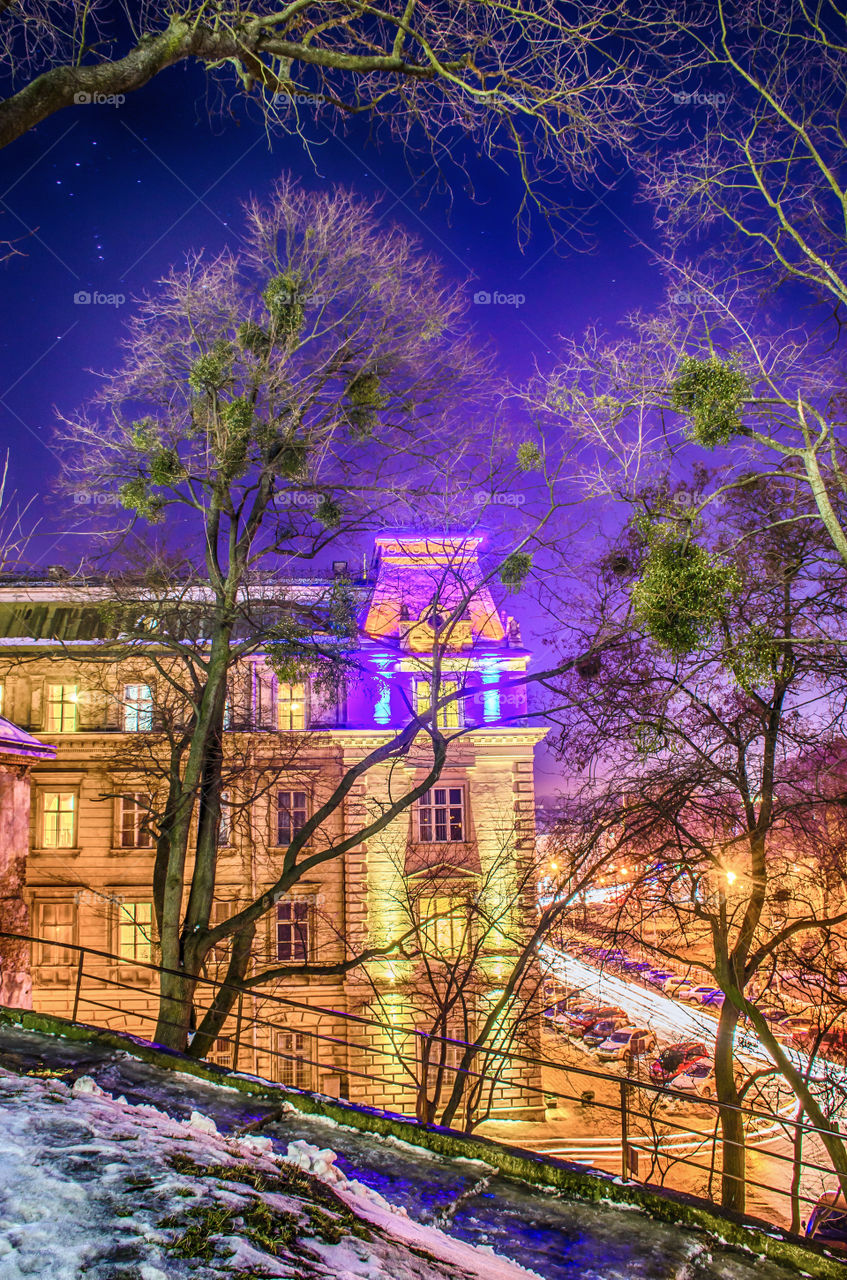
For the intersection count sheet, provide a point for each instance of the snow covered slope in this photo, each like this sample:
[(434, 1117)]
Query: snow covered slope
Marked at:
[(97, 1186)]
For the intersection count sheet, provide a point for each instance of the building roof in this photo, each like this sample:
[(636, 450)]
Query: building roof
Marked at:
[(15, 741)]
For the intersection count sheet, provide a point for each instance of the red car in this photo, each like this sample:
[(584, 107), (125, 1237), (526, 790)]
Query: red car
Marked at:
[(677, 1058), (585, 1019)]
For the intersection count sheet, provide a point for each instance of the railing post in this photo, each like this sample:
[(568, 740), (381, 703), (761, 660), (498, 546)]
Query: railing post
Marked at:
[(79, 966), (237, 1031), (624, 1133)]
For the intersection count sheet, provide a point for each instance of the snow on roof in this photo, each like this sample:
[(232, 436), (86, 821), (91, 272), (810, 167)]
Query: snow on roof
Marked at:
[(15, 741)]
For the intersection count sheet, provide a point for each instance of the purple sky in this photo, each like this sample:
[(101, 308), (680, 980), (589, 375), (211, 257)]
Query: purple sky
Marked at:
[(104, 200)]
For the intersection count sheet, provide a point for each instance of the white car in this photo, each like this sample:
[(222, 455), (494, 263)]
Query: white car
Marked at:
[(698, 993), (679, 987), (699, 1079), (630, 1042)]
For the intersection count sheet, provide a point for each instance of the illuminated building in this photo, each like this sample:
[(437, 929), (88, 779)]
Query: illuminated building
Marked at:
[(89, 872)]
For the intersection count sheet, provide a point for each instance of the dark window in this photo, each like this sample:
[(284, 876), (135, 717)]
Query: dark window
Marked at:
[(293, 927), (441, 815), (290, 815)]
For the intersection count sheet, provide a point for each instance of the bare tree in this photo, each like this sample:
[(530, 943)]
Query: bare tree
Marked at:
[(733, 674), (546, 86), (310, 364)]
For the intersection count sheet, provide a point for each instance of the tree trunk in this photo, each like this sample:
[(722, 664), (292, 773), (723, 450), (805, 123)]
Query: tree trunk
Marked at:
[(176, 1009), (226, 995), (797, 1172), (733, 1154)]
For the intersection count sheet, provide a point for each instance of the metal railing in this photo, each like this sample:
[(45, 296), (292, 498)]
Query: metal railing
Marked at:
[(643, 1140)]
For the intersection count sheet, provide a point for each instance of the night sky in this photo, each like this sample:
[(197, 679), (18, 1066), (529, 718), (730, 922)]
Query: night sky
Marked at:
[(104, 199)]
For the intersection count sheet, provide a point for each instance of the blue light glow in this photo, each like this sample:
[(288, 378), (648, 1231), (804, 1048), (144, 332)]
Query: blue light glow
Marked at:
[(490, 697), (382, 710)]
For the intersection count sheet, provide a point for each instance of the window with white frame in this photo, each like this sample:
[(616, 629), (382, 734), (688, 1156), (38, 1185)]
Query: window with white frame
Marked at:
[(138, 708), (294, 929), (58, 819), (61, 708), (291, 814), (225, 824), (448, 716), (290, 705), (441, 815), (292, 1059), (55, 925), (134, 931), (135, 830)]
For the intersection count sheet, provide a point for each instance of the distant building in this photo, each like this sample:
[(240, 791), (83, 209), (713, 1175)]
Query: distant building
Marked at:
[(286, 747), (19, 750)]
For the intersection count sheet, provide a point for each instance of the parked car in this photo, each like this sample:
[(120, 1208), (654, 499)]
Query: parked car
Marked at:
[(679, 987), (794, 1029), (677, 1058), (699, 1079), (715, 998), (626, 1042), (699, 994), (602, 1029), (584, 1018), (659, 976), (828, 1222), (606, 1016)]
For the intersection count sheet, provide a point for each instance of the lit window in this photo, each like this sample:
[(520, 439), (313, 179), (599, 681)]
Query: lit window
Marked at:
[(448, 715), (290, 815), (61, 708), (443, 926), (445, 1054), (441, 815), (292, 1065), (135, 927), (54, 924), (135, 821), (290, 706), (138, 708), (293, 927), (2, 698), (59, 819)]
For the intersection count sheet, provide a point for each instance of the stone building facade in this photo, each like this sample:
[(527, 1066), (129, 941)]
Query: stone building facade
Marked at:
[(469, 839), (18, 752)]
